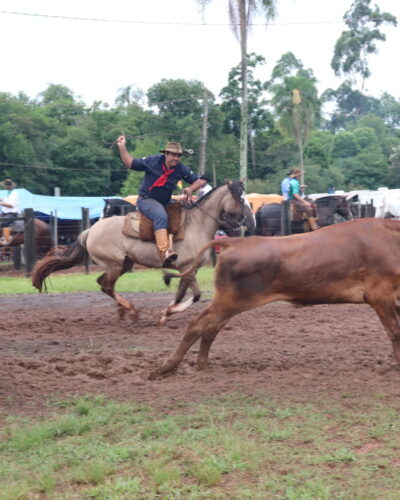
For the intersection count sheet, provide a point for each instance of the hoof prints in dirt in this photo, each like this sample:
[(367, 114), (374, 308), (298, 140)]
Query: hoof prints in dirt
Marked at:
[(75, 344)]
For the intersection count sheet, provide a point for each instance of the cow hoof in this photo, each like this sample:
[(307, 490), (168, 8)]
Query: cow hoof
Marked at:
[(201, 366), (121, 312), (133, 315), (154, 375)]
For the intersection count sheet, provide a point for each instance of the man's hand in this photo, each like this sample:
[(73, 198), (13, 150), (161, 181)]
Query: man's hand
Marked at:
[(121, 141), (188, 193), (123, 152)]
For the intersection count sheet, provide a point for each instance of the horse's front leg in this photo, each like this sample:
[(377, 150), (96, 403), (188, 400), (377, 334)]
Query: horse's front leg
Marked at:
[(177, 305)]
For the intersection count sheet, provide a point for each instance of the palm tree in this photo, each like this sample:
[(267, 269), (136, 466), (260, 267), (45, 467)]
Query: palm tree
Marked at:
[(295, 98), (241, 13)]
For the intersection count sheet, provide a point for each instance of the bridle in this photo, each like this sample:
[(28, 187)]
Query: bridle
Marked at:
[(231, 223)]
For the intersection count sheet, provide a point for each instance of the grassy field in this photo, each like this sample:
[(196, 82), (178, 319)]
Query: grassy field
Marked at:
[(230, 447), (144, 280)]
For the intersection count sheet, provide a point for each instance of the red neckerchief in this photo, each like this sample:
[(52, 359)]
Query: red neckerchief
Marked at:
[(162, 180)]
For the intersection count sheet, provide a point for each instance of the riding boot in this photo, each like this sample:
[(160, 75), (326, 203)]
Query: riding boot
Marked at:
[(167, 256), (312, 223), (6, 238)]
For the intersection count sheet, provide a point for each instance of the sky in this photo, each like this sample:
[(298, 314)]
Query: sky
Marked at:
[(141, 42)]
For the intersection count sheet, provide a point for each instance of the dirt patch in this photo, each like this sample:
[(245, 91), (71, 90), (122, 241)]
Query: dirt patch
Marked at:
[(56, 346)]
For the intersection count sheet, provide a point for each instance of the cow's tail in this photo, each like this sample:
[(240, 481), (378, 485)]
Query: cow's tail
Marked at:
[(223, 242), (61, 258)]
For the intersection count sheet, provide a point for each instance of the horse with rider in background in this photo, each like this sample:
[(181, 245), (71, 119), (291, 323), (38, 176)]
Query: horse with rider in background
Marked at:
[(327, 209)]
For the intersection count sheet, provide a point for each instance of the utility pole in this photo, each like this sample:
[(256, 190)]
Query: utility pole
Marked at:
[(203, 140)]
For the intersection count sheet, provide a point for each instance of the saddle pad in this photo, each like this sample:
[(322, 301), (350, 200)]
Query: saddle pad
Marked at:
[(137, 225)]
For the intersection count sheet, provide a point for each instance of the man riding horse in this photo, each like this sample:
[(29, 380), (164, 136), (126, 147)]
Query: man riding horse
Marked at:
[(301, 208), (162, 173)]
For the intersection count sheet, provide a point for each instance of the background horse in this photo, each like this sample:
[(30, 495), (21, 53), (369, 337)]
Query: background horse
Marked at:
[(113, 207), (331, 206), (116, 253), (268, 217), (268, 221), (43, 240)]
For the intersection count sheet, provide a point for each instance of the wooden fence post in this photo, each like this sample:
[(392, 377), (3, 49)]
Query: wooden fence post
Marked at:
[(286, 225), (86, 225), (29, 239), (54, 227)]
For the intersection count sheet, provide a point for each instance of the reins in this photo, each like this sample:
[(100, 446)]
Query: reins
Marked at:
[(234, 225)]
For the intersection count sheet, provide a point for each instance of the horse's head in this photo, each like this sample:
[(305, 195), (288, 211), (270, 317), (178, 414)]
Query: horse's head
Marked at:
[(116, 206), (329, 206), (107, 210), (236, 210)]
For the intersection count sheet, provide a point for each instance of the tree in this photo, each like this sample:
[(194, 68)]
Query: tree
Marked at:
[(295, 97), (350, 105), (355, 44), (241, 13), (180, 106), (128, 95), (260, 118)]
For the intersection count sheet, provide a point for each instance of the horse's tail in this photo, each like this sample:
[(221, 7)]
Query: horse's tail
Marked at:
[(223, 242), (68, 257)]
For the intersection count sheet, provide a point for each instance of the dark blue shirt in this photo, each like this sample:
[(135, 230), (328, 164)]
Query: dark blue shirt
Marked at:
[(152, 166)]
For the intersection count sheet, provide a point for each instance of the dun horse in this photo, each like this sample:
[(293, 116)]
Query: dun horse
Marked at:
[(116, 253), (268, 216)]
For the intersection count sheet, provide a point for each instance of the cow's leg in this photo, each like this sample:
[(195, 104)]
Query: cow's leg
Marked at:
[(205, 345), (177, 305), (209, 322), (388, 311)]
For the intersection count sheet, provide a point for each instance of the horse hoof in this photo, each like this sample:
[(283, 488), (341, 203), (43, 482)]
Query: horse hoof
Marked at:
[(163, 320)]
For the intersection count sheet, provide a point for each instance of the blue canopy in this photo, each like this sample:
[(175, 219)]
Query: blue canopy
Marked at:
[(63, 207)]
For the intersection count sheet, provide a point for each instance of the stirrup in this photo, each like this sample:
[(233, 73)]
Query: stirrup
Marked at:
[(170, 258)]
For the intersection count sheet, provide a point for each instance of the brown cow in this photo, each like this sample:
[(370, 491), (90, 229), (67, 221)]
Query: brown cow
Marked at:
[(353, 262)]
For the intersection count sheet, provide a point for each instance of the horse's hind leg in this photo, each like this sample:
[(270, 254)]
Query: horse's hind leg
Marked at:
[(207, 325), (107, 283), (176, 305)]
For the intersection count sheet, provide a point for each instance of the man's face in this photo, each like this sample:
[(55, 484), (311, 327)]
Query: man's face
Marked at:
[(172, 159)]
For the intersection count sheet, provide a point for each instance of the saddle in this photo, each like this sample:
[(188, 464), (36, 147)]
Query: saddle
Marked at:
[(137, 225), (298, 212)]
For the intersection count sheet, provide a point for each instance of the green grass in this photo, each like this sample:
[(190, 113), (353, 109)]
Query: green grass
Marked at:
[(146, 280), (92, 447)]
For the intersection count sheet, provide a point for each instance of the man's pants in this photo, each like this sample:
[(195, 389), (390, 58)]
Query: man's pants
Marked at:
[(155, 211)]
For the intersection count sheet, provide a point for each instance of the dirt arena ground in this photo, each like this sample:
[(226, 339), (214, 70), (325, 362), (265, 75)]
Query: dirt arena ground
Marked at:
[(56, 346)]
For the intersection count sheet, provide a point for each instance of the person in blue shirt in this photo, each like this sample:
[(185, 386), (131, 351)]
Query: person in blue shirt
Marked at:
[(301, 205), (161, 176), (285, 185)]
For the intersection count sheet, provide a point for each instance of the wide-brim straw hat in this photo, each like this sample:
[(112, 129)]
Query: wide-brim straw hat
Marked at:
[(8, 184), (297, 171), (172, 147)]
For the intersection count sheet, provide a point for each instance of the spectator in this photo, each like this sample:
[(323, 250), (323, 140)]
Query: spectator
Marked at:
[(285, 185), (300, 205), (10, 209)]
